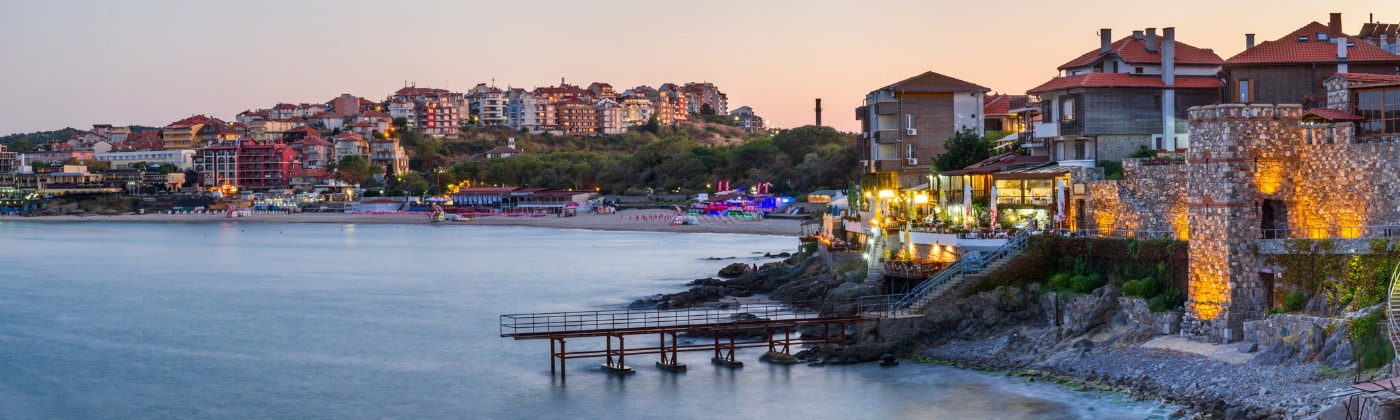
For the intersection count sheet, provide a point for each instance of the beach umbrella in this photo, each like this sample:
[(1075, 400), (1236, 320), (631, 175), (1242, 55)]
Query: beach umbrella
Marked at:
[(1059, 200), (992, 206), (967, 203)]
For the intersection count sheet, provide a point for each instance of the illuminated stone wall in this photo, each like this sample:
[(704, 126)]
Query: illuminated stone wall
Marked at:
[(1149, 197), (1320, 183)]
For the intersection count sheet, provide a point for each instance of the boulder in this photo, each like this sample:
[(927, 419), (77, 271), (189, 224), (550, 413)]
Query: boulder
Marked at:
[(734, 270)]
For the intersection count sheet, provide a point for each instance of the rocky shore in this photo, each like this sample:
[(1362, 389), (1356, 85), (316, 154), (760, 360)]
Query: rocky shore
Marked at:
[(1094, 341)]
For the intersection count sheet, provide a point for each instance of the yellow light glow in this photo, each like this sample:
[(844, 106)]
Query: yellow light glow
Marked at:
[(1268, 176), (886, 193), (921, 199)]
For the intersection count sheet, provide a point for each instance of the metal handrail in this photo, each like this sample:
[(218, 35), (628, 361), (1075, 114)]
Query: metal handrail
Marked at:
[(1391, 312), (1379, 231), (1121, 233), (624, 319), (969, 264)]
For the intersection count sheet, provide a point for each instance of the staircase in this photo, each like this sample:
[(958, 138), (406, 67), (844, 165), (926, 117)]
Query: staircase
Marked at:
[(955, 283), (972, 266), (875, 269)]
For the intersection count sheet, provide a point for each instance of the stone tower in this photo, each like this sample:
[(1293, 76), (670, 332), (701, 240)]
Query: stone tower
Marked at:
[(1224, 213)]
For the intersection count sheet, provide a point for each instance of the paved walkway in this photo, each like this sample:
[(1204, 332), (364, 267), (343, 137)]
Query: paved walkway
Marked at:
[(1228, 353)]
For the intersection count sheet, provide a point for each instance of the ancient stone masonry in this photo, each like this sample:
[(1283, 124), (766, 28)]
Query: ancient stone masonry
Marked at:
[(1149, 198), (1224, 286)]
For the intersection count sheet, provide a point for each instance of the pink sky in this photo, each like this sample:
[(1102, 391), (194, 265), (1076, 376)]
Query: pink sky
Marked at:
[(76, 63)]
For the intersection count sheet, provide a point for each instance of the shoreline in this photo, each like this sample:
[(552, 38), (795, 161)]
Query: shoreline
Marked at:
[(626, 221)]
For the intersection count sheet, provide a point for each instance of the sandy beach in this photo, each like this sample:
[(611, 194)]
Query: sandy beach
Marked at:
[(639, 220)]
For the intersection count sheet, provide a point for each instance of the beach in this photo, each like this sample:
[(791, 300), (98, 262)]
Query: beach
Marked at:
[(638, 220)]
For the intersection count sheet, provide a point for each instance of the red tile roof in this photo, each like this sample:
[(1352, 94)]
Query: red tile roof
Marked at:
[(1002, 104), (502, 150), (934, 82), (1366, 78), (318, 173), (1289, 50), (1332, 114), (314, 140), (1134, 51), (1124, 80), (997, 163), (490, 190)]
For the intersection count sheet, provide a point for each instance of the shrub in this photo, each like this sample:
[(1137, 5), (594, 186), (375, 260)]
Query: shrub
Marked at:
[(1168, 300), (1372, 348), (1295, 301), (1060, 281), (1145, 288), (1086, 284)]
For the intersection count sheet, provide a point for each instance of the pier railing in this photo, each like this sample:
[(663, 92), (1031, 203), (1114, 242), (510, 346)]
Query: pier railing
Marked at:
[(557, 324)]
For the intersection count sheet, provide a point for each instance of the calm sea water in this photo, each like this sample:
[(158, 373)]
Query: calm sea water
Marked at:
[(242, 320)]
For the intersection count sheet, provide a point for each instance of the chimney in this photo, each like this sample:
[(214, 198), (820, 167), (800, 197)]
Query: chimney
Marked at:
[(1151, 40), (1342, 55), (1248, 41), (1137, 35), (1168, 94), (1105, 40), (1334, 25), (819, 112)]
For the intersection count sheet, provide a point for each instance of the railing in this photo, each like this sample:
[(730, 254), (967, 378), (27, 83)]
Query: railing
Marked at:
[(564, 323), (1392, 310), (1384, 231), (970, 263), (1135, 234)]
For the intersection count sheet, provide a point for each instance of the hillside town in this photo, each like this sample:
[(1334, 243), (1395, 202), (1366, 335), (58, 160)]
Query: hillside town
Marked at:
[(293, 147), (1200, 196)]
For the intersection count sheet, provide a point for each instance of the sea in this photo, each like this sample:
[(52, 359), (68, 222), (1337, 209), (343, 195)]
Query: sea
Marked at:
[(236, 320)]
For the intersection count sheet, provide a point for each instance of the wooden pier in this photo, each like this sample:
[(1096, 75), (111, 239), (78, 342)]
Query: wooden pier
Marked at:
[(730, 328)]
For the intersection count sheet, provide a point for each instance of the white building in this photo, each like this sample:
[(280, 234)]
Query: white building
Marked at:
[(182, 158)]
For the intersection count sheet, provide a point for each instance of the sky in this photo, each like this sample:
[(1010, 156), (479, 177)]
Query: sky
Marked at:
[(76, 63)]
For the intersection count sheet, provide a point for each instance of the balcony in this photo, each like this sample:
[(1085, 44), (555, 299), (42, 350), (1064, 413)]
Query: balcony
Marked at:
[(887, 108), (890, 165), (1047, 129), (886, 136), (860, 113)]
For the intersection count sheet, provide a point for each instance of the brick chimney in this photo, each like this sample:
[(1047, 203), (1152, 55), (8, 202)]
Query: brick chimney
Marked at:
[(1151, 40), (1334, 25), (1248, 41), (1105, 40)]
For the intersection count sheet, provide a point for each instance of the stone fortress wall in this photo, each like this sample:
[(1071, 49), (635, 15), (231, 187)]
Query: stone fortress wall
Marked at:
[(1248, 163)]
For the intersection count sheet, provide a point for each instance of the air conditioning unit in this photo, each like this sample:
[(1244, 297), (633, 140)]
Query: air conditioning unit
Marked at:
[(911, 131), (912, 161)]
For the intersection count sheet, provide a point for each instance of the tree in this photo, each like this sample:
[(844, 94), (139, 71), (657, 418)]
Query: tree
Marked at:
[(963, 150), (21, 146), (400, 123), (706, 109), (354, 169)]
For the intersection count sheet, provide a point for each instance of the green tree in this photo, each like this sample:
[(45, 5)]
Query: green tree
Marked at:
[(21, 146), (963, 150), (706, 109), (355, 169)]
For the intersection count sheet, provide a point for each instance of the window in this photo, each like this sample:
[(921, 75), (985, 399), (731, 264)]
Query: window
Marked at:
[(1381, 111), (1137, 70), (908, 120), (1067, 109), (1244, 90)]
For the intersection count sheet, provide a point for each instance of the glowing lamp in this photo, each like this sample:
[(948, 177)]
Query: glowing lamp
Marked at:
[(921, 199), (886, 193)]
